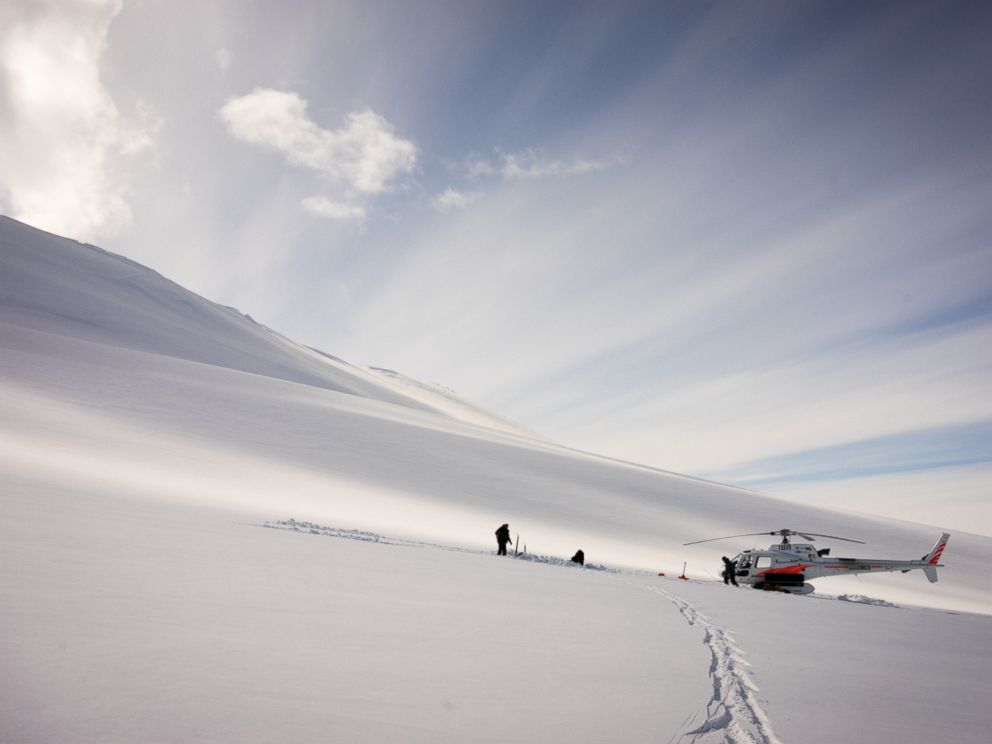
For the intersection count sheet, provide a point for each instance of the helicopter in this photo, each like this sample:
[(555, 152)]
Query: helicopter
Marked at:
[(787, 566)]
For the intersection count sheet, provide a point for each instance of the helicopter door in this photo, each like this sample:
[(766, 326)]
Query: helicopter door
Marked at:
[(743, 565)]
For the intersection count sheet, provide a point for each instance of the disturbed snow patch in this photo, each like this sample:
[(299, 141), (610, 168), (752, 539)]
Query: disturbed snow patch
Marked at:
[(862, 599), (312, 528), (316, 529)]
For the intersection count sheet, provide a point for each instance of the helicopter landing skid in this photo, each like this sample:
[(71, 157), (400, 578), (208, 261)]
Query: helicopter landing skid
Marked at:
[(769, 586)]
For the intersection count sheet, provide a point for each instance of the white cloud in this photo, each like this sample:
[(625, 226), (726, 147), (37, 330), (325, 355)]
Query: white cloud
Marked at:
[(321, 206), (64, 159), (454, 199), (532, 163), (364, 155), (529, 163), (480, 168)]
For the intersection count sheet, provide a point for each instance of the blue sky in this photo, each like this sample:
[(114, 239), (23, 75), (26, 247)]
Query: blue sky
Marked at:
[(747, 241)]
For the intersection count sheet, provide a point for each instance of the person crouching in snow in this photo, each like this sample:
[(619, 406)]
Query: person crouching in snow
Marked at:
[(579, 558)]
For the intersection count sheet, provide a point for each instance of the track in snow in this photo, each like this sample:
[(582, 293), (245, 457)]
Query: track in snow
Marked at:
[(733, 713)]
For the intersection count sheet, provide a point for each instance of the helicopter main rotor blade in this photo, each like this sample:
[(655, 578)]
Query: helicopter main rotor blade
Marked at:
[(783, 533), (729, 537), (832, 537)]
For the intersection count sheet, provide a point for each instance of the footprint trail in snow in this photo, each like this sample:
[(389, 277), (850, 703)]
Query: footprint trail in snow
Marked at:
[(733, 714)]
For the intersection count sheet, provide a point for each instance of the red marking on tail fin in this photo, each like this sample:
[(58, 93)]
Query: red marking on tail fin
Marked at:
[(933, 557), (936, 555)]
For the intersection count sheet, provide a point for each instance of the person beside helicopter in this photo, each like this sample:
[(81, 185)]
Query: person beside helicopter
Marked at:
[(729, 571)]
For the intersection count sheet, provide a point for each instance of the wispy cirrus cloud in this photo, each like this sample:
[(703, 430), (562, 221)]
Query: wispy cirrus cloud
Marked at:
[(451, 199), (321, 206), (529, 163), (362, 158), (67, 148)]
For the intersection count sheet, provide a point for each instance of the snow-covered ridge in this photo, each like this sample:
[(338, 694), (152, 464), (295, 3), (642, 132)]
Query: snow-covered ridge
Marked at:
[(60, 286), (445, 399)]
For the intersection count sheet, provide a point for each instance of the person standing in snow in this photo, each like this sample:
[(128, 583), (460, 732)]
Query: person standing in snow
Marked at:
[(729, 571), (502, 538), (579, 558)]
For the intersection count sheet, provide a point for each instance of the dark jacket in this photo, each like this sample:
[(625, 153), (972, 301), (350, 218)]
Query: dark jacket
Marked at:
[(503, 534)]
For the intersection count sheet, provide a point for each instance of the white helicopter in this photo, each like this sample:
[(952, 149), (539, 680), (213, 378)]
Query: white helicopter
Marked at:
[(787, 566)]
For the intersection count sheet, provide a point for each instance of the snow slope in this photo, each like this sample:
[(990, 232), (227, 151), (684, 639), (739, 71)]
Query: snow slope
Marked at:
[(146, 435), (53, 285)]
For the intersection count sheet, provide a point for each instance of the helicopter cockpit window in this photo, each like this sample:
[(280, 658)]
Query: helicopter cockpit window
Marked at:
[(743, 561)]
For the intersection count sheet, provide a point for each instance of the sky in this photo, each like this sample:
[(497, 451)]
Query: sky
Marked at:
[(744, 241)]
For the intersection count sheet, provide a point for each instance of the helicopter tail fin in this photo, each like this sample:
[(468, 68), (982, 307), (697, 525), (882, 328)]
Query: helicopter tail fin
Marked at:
[(932, 558)]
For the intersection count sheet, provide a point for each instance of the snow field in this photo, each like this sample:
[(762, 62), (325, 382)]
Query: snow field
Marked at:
[(138, 621)]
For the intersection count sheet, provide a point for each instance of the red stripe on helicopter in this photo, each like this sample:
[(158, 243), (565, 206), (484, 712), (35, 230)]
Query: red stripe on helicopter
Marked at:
[(798, 568), (936, 555)]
